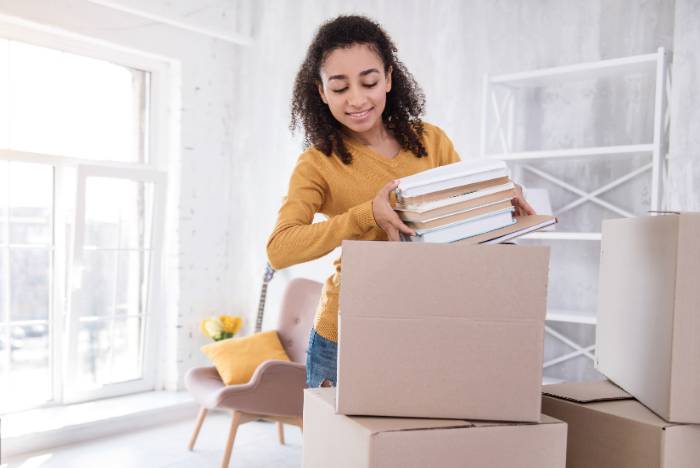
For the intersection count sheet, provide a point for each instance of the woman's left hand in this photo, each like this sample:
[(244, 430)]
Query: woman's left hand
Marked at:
[(522, 207)]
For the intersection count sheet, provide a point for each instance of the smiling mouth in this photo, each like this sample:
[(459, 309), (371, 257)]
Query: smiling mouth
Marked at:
[(359, 115)]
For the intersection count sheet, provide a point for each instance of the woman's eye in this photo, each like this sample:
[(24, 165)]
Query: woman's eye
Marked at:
[(371, 85), (338, 91)]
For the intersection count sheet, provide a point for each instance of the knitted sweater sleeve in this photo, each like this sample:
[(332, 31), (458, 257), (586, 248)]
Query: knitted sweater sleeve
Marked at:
[(295, 239), (446, 150)]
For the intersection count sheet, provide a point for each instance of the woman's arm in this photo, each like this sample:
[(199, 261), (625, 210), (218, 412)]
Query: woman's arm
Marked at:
[(295, 239)]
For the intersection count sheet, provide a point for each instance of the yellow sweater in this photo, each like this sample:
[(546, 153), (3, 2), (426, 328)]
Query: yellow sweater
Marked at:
[(344, 193)]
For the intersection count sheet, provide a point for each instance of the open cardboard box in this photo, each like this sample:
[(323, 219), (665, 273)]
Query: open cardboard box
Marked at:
[(648, 332), (333, 440), (610, 429), (442, 330)]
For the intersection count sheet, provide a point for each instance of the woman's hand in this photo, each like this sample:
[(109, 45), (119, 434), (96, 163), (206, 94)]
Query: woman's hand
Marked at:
[(385, 216), (522, 207)]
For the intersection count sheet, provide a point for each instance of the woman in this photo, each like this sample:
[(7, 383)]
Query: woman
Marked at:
[(360, 110)]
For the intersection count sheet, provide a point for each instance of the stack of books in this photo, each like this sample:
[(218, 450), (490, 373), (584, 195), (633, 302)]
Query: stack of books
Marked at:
[(468, 200)]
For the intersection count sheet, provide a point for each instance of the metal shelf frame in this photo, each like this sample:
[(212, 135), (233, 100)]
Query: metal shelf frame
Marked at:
[(498, 129)]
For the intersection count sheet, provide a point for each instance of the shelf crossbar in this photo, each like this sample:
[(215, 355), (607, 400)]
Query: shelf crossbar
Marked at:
[(536, 76), (578, 349), (581, 193), (574, 152), (565, 357), (606, 188)]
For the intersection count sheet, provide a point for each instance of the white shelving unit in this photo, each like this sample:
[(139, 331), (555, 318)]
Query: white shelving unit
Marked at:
[(498, 130)]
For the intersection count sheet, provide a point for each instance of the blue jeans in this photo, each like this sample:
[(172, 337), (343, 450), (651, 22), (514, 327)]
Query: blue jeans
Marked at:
[(321, 360)]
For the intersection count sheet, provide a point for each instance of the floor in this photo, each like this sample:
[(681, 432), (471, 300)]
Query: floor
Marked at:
[(166, 446)]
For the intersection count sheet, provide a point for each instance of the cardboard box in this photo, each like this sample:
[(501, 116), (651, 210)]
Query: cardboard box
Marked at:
[(648, 333), (333, 440), (610, 429), (442, 330)]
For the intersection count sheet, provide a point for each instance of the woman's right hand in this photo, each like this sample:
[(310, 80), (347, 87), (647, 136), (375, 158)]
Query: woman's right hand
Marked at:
[(385, 216)]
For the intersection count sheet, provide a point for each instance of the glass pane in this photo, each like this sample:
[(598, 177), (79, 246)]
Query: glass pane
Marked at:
[(97, 289), (4, 278), (4, 190), (126, 361), (109, 351), (4, 369), (113, 282), (31, 202), (4, 94), (117, 213), (93, 353), (81, 107), (29, 284), (132, 282), (29, 370)]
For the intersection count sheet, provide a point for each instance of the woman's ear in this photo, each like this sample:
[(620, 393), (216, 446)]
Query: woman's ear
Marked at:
[(388, 79), (320, 91)]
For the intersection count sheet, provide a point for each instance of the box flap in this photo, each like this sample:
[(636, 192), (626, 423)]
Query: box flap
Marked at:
[(604, 397), (586, 392), (544, 419), (405, 271), (381, 424), (685, 353)]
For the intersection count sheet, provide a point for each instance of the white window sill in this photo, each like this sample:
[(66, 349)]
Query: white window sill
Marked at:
[(45, 428)]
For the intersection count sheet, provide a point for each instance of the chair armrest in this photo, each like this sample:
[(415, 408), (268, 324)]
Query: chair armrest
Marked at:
[(204, 383), (269, 370), (276, 388)]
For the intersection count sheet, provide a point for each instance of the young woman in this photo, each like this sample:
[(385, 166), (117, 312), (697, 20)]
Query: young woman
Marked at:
[(360, 110)]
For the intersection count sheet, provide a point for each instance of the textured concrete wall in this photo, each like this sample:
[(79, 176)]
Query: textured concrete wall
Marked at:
[(683, 187), (449, 46)]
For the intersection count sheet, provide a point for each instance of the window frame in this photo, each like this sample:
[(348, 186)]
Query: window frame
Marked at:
[(161, 139), (150, 346)]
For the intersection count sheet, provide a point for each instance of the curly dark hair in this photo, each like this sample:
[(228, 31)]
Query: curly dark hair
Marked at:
[(404, 104)]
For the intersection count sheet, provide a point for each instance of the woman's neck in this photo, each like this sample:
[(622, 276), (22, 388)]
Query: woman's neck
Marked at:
[(373, 137)]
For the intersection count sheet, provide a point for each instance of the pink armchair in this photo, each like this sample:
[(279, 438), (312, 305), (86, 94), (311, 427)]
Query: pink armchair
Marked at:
[(275, 392)]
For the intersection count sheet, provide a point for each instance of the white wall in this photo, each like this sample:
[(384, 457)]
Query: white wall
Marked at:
[(202, 252), (683, 188), (448, 46)]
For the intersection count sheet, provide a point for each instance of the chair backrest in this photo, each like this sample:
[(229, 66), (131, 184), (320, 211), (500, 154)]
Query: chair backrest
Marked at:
[(296, 316)]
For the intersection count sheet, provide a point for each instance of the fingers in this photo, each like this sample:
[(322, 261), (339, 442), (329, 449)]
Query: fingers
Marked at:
[(384, 191), (395, 226), (524, 206), (405, 229), (393, 235)]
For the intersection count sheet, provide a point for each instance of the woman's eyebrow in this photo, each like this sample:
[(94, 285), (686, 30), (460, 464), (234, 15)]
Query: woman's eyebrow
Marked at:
[(362, 73)]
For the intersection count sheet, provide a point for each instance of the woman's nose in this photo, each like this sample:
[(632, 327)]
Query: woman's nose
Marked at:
[(356, 98)]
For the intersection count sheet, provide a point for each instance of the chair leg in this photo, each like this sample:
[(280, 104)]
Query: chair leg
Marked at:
[(200, 419), (280, 432), (235, 422)]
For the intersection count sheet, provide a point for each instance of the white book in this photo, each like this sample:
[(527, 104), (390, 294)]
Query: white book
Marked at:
[(463, 229), (449, 176)]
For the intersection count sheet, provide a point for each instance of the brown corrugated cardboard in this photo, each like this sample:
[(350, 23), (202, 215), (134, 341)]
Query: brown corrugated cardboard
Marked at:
[(609, 429), (648, 333), (333, 440), (441, 330)]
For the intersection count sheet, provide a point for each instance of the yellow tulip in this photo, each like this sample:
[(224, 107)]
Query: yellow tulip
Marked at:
[(231, 324)]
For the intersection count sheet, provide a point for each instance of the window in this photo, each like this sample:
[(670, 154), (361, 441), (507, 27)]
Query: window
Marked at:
[(80, 227)]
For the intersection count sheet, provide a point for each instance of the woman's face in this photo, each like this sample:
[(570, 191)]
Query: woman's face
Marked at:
[(354, 85)]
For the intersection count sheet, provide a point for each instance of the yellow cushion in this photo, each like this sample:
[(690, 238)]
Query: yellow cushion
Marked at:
[(237, 358)]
